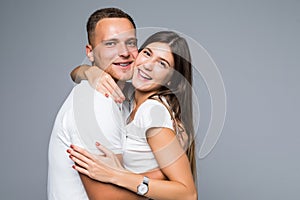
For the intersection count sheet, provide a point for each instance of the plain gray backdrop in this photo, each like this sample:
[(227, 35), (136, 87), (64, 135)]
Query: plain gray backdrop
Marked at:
[(254, 43)]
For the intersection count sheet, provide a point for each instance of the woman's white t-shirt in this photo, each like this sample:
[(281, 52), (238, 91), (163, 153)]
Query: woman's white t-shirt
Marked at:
[(137, 154)]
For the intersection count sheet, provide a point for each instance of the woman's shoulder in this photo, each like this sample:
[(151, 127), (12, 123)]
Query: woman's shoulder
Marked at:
[(150, 104), (153, 108), (153, 113)]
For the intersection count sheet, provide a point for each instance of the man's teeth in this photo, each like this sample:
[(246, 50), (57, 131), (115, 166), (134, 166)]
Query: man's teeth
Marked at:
[(124, 64), (145, 76)]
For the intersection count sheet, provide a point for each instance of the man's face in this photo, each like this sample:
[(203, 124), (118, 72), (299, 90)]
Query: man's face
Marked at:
[(114, 47)]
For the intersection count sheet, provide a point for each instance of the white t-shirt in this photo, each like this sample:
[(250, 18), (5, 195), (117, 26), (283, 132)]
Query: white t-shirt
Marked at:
[(85, 117), (137, 154)]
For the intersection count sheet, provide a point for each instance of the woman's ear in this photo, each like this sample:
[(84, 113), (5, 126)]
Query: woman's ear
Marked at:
[(89, 52)]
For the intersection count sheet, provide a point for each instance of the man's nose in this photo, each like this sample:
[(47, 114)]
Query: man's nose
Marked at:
[(123, 50)]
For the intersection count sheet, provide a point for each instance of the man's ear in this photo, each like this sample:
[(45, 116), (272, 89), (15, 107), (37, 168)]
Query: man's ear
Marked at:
[(89, 52)]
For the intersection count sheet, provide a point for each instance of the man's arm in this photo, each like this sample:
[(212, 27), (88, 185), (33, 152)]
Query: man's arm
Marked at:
[(103, 191)]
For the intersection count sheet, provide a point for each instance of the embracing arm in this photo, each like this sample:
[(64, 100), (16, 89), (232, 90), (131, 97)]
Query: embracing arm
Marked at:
[(99, 80), (78, 74), (174, 164), (99, 190), (169, 155)]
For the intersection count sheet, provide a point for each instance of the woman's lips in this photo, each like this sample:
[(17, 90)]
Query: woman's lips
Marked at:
[(144, 75)]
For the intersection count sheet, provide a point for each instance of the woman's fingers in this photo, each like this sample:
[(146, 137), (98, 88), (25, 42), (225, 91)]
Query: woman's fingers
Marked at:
[(81, 153), (108, 87), (104, 83), (115, 91), (79, 162), (81, 170), (78, 158), (106, 151)]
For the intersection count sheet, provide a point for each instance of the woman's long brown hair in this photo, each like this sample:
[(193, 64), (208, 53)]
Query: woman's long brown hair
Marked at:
[(178, 93)]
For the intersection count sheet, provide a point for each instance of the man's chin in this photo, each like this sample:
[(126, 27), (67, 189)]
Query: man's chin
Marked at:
[(122, 77)]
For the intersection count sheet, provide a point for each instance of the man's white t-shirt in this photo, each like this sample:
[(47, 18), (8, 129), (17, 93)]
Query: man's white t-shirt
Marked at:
[(85, 117)]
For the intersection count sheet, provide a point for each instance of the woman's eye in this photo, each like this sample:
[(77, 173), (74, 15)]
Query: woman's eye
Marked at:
[(147, 53), (163, 64)]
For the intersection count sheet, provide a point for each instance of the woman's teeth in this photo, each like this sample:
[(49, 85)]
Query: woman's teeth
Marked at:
[(143, 75)]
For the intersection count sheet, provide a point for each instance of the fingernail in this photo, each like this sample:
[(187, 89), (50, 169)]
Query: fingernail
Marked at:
[(70, 156), (73, 166), (97, 144), (68, 151), (106, 95), (72, 146)]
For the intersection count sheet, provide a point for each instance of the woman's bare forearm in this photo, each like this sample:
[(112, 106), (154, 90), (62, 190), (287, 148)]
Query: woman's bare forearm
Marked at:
[(78, 74), (97, 190)]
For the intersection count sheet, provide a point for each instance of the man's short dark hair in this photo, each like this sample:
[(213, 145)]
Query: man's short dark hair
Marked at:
[(104, 13)]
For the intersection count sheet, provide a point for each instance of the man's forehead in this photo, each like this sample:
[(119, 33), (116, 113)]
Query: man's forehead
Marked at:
[(120, 37), (115, 28)]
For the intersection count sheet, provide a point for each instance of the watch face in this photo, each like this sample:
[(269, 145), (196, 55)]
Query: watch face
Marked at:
[(143, 189)]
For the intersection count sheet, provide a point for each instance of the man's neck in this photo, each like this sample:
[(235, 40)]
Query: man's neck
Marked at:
[(121, 84)]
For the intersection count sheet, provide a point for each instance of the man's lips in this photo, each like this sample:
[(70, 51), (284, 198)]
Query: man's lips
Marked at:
[(144, 75), (123, 64)]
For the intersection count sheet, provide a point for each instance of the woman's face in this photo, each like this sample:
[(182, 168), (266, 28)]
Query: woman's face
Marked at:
[(153, 67)]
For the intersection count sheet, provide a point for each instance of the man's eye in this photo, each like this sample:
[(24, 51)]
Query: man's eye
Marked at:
[(109, 44), (131, 43)]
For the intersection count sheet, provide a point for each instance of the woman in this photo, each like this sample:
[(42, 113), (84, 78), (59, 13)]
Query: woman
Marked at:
[(162, 78)]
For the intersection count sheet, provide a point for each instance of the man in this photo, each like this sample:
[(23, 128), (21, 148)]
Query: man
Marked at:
[(112, 47)]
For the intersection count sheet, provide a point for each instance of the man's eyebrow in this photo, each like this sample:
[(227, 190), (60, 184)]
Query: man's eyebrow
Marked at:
[(133, 38), (111, 40), (118, 40)]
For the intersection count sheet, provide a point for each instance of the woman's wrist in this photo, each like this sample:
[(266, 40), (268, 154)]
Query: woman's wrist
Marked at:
[(126, 179)]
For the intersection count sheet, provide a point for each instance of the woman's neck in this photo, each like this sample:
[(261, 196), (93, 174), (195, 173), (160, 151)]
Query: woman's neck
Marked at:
[(141, 97)]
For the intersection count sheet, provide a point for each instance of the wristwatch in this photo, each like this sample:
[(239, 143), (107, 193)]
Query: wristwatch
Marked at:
[(142, 188)]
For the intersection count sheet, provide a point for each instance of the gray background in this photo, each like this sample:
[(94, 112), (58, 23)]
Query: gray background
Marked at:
[(254, 43)]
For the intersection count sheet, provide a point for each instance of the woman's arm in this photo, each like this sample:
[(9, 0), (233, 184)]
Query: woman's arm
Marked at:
[(102, 191), (99, 80), (169, 155), (77, 74), (98, 190)]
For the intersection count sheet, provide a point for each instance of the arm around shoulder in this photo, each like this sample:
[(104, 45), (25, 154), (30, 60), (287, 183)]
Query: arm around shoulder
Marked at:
[(78, 73)]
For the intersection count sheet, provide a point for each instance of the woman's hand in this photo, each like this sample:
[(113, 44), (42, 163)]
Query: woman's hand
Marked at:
[(104, 83), (98, 167)]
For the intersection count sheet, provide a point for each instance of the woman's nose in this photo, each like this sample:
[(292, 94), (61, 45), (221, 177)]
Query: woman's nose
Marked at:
[(148, 65)]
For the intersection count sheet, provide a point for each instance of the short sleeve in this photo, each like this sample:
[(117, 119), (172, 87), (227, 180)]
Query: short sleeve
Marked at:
[(153, 114)]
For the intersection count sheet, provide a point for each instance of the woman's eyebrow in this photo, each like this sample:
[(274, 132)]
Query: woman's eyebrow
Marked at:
[(149, 49)]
